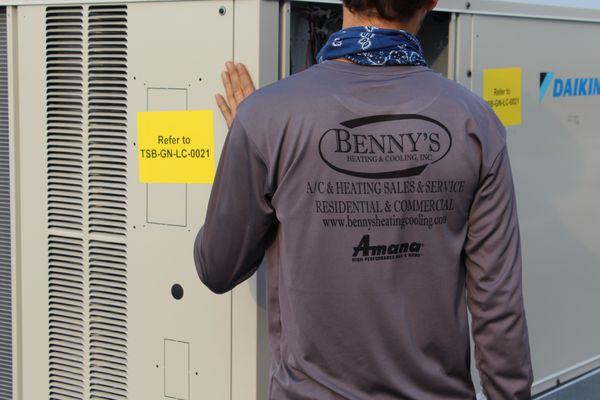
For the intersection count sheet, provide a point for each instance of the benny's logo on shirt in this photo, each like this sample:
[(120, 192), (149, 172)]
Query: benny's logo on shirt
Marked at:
[(385, 146)]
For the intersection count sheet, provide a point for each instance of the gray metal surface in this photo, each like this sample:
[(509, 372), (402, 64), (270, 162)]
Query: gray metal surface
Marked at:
[(584, 388), (582, 10), (5, 242), (579, 10), (555, 162)]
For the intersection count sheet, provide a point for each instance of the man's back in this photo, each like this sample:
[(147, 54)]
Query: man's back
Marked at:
[(380, 194)]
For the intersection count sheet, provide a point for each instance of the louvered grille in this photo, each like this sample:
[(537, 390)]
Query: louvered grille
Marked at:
[(108, 119), (64, 84), (108, 320), (5, 252), (64, 113), (87, 203), (66, 317), (107, 58)]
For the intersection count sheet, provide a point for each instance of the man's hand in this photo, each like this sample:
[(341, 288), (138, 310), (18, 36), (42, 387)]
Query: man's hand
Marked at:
[(238, 85)]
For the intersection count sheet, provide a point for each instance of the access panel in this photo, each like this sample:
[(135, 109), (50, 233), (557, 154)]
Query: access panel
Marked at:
[(180, 332), (544, 80)]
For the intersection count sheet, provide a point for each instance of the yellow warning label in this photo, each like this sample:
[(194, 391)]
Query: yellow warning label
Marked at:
[(176, 146), (502, 89)]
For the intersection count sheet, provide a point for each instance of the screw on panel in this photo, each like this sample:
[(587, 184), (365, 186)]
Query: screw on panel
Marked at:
[(222, 11), (468, 5), (469, 73)]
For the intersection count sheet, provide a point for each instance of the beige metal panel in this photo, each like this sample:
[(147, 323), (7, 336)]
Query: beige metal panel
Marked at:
[(30, 170), (180, 46), (575, 10), (464, 50), (285, 9), (186, 54), (554, 155), (256, 27), (452, 46), (177, 366)]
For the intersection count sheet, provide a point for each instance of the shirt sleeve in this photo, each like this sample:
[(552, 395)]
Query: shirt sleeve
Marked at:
[(494, 287), (231, 245)]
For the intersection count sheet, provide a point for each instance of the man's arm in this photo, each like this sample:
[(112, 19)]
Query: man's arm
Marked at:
[(231, 244), (494, 290)]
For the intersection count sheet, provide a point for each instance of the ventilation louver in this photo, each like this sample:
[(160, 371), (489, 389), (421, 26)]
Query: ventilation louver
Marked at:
[(86, 65), (64, 115), (66, 317), (107, 63), (108, 320)]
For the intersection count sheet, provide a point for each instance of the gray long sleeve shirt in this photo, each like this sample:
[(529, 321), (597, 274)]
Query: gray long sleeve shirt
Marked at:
[(384, 200)]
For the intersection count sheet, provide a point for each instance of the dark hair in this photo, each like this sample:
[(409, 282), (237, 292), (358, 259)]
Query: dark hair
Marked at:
[(401, 10)]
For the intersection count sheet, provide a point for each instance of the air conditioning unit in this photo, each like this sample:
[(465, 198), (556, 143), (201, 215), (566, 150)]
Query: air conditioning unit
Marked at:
[(107, 301), (99, 297)]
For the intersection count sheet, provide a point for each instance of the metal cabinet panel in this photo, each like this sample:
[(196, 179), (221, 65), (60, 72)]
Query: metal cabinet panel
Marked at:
[(96, 276), (182, 46), (554, 155)]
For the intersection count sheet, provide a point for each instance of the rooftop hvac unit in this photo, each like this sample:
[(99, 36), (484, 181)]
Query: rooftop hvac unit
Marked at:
[(99, 298), (109, 305)]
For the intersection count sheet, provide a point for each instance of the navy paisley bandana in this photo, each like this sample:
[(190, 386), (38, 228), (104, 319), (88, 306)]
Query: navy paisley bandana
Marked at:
[(368, 45)]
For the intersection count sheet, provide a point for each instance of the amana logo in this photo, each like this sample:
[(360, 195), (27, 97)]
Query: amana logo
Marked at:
[(365, 251), (379, 147), (568, 87)]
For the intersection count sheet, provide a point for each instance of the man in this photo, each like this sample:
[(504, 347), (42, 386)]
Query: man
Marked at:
[(382, 194)]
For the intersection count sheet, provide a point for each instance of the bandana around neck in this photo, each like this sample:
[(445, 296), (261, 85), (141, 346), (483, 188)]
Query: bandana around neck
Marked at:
[(369, 45)]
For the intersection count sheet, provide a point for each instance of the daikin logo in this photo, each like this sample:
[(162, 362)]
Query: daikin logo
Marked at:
[(568, 87)]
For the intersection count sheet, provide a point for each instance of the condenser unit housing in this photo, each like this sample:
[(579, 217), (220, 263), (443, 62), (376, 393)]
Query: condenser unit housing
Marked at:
[(99, 297), (107, 302)]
